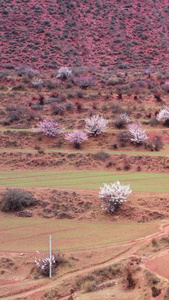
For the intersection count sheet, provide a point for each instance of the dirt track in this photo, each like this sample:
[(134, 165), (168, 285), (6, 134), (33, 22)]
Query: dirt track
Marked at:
[(38, 291)]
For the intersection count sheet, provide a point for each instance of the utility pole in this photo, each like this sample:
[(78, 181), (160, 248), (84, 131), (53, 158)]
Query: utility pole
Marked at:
[(50, 255)]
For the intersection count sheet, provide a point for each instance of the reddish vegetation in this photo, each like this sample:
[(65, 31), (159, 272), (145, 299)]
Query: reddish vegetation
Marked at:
[(122, 34), (97, 39)]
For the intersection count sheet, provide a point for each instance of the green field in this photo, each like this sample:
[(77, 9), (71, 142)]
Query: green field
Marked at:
[(18, 234), (87, 180)]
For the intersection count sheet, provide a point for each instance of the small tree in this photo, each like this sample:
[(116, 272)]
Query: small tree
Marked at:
[(122, 120), (113, 195), (96, 125), (43, 263), (64, 72), (137, 134), (77, 137), (49, 128), (164, 116)]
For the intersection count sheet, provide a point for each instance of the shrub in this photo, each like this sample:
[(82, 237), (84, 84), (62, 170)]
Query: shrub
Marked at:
[(165, 86), (164, 116), (137, 134), (121, 120), (64, 72), (155, 143), (114, 195), (101, 155), (57, 109), (96, 125), (27, 71), (43, 263), (16, 199), (123, 137), (37, 83), (49, 128), (77, 137), (84, 81)]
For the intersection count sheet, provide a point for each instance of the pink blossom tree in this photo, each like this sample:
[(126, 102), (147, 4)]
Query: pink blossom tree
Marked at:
[(48, 127), (77, 137), (96, 125), (113, 195), (137, 134)]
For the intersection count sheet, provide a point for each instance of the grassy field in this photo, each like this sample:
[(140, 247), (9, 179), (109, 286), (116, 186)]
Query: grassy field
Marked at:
[(19, 234), (85, 180)]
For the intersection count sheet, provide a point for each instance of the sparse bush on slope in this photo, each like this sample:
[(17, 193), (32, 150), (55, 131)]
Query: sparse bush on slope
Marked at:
[(16, 199)]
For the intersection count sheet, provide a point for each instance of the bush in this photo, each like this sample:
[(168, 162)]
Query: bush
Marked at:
[(96, 125), (77, 137), (101, 155), (16, 199), (121, 120), (27, 71), (43, 263), (84, 81), (114, 195), (155, 143), (57, 109), (123, 137), (64, 72)]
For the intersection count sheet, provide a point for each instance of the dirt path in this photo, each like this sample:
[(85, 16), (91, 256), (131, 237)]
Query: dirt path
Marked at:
[(37, 291)]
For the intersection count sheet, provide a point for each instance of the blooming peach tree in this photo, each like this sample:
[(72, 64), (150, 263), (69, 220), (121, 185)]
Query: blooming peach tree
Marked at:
[(48, 127), (95, 125), (137, 134), (77, 137), (113, 195)]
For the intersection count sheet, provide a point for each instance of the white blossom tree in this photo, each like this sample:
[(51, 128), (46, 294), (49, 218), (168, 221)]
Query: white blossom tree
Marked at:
[(48, 127), (95, 125), (137, 134), (164, 115), (43, 264), (77, 137), (64, 72), (113, 195)]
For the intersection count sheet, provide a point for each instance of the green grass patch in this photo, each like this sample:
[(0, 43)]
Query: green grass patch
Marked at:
[(86, 180), (19, 234)]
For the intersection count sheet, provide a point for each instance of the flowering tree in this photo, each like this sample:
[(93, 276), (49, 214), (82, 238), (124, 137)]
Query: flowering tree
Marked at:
[(64, 72), (49, 128), (96, 125), (137, 134), (122, 120), (164, 115), (114, 195), (77, 137), (43, 262)]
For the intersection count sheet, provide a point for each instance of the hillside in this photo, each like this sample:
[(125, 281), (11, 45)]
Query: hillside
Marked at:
[(123, 34), (84, 109)]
